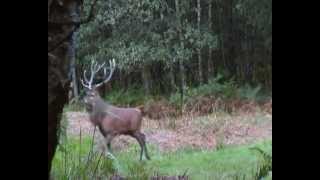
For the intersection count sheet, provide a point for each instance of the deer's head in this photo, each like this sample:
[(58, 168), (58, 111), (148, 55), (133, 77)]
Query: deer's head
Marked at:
[(91, 89)]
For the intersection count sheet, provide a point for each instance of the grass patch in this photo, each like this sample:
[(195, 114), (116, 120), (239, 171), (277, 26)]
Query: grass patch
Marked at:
[(76, 159), (221, 164), (231, 162)]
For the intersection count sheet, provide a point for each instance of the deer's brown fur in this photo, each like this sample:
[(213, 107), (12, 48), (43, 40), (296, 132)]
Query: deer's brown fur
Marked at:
[(111, 120)]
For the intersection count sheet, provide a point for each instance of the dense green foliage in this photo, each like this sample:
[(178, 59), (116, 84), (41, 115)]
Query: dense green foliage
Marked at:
[(149, 38), (215, 88)]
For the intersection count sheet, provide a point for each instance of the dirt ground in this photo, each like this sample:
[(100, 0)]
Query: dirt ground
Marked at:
[(169, 134)]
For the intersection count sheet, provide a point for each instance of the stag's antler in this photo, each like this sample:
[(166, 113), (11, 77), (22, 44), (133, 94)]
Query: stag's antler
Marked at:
[(94, 69)]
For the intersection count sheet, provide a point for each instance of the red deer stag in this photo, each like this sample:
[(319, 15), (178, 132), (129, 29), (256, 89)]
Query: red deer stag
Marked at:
[(111, 121)]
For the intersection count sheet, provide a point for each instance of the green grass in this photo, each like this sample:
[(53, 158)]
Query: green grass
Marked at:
[(226, 162), (235, 162), (75, 159)]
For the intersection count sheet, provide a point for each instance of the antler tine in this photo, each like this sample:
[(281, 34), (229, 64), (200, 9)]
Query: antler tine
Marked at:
[(93, 68), (99, 67), (92, 64), (112, 68), (84, 84), (85, 76)]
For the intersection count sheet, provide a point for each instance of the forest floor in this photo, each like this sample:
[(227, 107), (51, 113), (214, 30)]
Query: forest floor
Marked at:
[(188, 131), (217, 145)]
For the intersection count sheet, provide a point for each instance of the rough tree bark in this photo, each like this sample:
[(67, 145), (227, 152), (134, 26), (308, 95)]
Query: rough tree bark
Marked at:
[(60, 49)]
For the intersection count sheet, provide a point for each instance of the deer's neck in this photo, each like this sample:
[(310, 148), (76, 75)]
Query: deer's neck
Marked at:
[(101, 106), (99, 111)]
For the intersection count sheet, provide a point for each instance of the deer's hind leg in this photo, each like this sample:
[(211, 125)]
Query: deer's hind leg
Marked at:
[(137, 137), (108, 138), (140, 137), (143, 139)]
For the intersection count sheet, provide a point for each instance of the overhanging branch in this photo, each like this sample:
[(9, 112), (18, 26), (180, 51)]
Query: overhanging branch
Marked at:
[(77, 23)]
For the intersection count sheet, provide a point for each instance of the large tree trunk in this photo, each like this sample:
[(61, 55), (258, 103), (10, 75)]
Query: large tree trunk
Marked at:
[(60, 49)]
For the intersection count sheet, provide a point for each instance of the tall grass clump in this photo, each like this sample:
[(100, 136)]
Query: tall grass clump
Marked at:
[(76, 158)]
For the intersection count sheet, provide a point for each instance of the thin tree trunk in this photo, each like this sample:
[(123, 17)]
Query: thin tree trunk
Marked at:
[(171, 76), (182, 83), (181, 66), (73, 68), (75, 84), (221, 35), (146, 76), (199, 39), (228, 35), (122, 80), (209, 62), (171, 66)]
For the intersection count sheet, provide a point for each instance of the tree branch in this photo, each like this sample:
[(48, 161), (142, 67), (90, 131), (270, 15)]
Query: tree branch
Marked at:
[(77, 23), (74, 23)]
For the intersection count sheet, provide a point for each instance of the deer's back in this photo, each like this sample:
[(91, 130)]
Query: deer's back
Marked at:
[(122, 120)]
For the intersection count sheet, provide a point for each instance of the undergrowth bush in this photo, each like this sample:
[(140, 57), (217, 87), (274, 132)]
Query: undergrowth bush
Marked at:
[(218, 90), (249, 92), (131, 97)]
